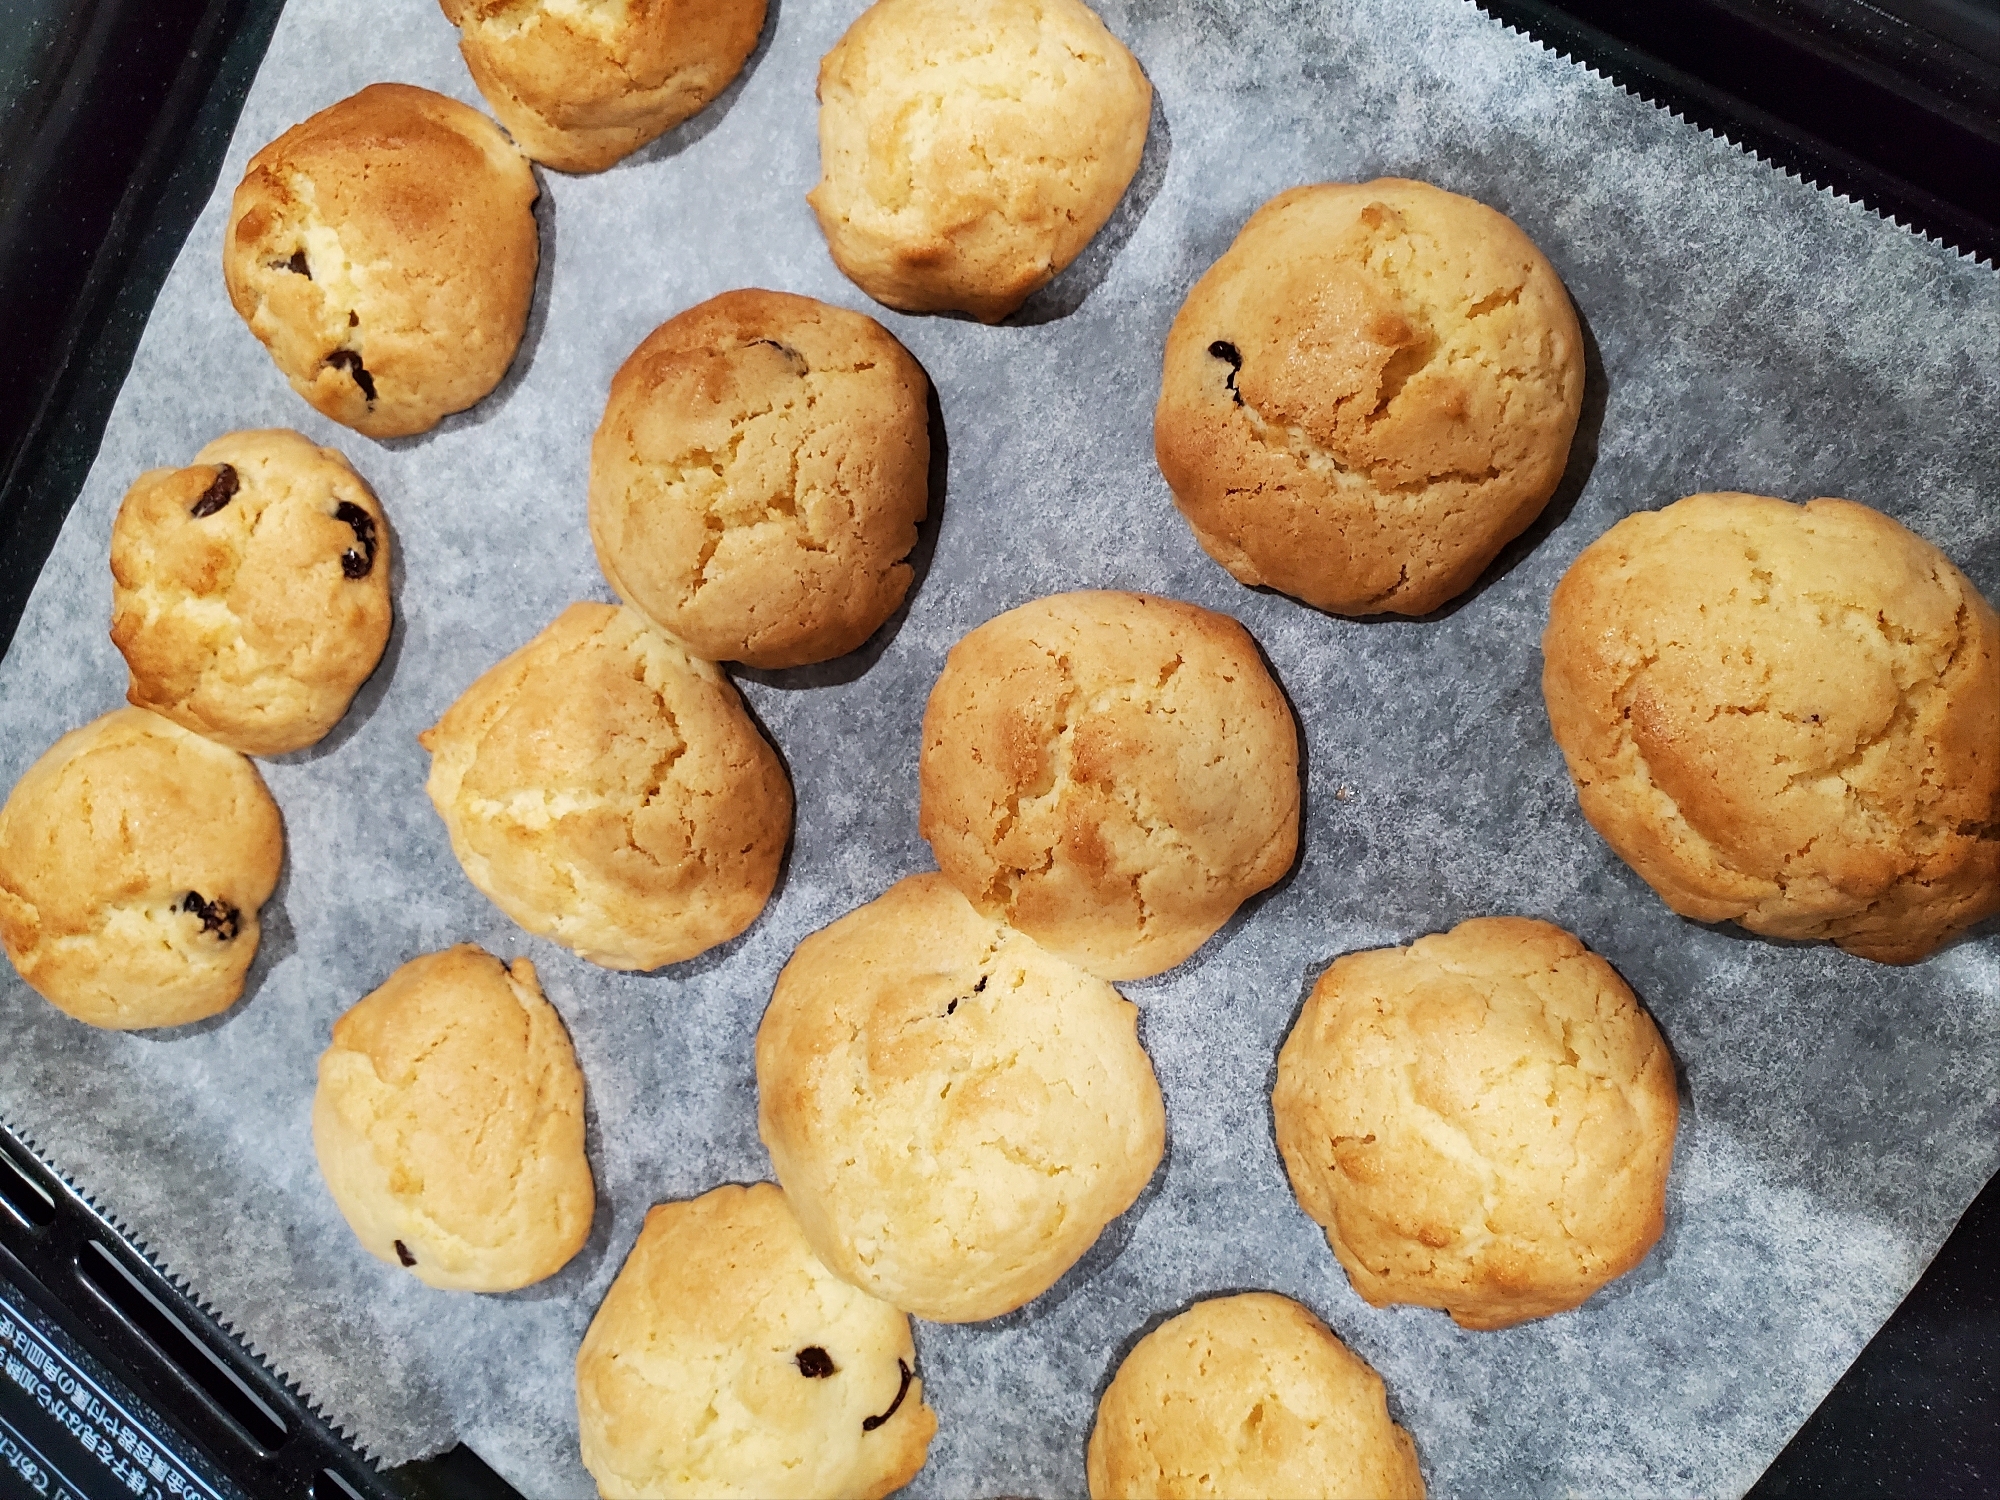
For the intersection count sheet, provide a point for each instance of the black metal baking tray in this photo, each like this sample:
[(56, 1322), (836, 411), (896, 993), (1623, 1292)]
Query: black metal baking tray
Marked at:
[(114, 117)]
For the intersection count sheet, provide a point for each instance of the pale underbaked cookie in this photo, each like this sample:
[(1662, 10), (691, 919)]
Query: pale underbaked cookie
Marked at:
[(758, 477), (384, 251), (251, 590), (1244, 1398), (968, 151), (1481, 1121), (133, 858), (607, 791), (1785, 716), (448, 1123), (1369, 395), (727, 1361), (580, 85), (1114, 774), (954, 1112)]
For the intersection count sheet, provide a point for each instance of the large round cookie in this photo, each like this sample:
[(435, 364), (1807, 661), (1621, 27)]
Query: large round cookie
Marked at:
[(1785, 716), (954, 1112), (1369, 395), (758, 477), (727, 1361), (579, 86), (969, 149), (1114, 774), (1481, 1121), (448, 1124), (384, 251), (607, 790), (134, 856), (1242, 1398), (250, 590)]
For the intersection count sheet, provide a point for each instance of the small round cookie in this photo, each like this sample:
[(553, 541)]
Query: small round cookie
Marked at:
[(969, 151), (384, 251), (727, 1361), (758, 477), (250, 591), (608, 791), (1481, 1121), (1244, 1396), (133, 858), (1114, 774), (1785, 716), (448, 1123), (579, 86), (954, 1112), (1369, 395)]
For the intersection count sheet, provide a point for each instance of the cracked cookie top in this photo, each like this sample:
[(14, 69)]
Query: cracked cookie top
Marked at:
[(581, 83), (1112, 773), (1369, 395), (1785, 716), (448, 1124), (134, 856), (250, 590), (608, 791), (969, 151), (757, 480), (955, 1112), (1482, 1121), (384, 251)]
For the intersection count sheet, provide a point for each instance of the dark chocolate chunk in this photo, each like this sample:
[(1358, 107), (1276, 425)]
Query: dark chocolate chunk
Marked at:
[(348, 360), (357, 564), (403, 1254), (297, 264), (869, 1424), (221, 490), (217, 916), (814, 1362), (1224, 350)]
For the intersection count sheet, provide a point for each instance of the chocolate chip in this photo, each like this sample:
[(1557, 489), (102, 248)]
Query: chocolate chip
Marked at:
[(221, 490), (869, 1424), (792, 356), (297, 265), (357, 564), (217, 916), (403, 1254), (814, 1362), (1223, 349), (348, 360), (951, 1009)]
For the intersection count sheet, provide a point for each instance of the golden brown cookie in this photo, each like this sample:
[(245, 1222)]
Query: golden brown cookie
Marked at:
[(1481, 1121), (448, 1124), (955, 1113), (579, 86), (727, 1361), (251, 590), (384, 251), (1785, 716), (968, 151), (1114, 774), (608, 791), (133, 858), (1369, 395), (758, 477), (1243, 1398)]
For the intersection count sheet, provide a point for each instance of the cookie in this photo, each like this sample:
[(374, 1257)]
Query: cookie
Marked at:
[(969, 151), (448, 1123), (384, 251), (1481, 1122), (134, 856), (954, 1112), (608, 791), (1787, 717), (579, 86), (250, 590), (757, 480), (1114, 774), (1369, 395), (1247, 1396), (727, 1361)]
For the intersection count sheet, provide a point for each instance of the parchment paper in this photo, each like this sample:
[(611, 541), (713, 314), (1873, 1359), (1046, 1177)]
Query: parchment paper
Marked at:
[(1749, 332)]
